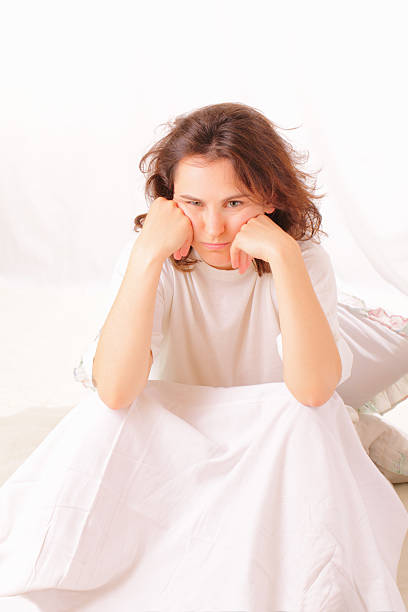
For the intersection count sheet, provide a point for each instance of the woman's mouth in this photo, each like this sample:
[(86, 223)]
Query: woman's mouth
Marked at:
[(215, 246)]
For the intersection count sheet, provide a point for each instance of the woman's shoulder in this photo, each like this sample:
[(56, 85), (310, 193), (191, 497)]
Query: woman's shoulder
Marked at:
[(315, 255), (309, 244), (312, 247)]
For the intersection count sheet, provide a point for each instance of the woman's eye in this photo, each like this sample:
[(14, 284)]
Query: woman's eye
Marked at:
[(231, 201)]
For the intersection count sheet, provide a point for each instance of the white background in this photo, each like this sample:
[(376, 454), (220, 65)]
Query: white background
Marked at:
[(85, 88)]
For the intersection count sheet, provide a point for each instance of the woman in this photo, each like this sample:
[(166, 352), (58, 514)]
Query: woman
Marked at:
[(233, 478), (271, 209)]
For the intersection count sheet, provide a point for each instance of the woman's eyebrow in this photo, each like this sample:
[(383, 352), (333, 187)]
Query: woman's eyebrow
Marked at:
[(237, 195)]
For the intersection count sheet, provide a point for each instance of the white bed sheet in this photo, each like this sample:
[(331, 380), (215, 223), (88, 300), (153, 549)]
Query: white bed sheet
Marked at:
[(201, 498)]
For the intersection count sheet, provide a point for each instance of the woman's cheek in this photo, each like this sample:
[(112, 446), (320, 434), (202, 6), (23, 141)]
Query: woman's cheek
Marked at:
[(193, 220)]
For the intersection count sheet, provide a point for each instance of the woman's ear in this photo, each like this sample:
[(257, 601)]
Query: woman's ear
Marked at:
[(269, 210)]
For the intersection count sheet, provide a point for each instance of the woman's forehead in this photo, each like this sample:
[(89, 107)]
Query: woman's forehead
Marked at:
[(199, 170)]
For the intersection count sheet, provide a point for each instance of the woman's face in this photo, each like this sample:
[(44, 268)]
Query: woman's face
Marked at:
[(216, 204)]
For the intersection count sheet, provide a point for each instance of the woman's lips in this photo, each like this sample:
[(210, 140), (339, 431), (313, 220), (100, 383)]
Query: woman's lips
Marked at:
[(215, 247)]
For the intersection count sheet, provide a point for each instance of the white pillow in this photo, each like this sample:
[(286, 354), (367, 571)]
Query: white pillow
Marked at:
[(379, 343), (378, 381)]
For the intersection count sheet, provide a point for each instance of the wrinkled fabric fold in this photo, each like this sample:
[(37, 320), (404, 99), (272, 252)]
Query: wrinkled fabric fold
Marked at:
[(204, 498)]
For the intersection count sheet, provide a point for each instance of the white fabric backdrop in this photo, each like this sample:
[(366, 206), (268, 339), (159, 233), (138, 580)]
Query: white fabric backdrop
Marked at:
[(84, 87)]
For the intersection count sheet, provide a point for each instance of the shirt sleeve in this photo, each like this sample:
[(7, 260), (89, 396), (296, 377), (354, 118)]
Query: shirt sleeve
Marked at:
[(83, 372), (321, 272)]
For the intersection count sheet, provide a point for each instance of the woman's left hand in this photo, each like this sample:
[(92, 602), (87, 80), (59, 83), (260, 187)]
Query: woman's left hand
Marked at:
[(258, 238)]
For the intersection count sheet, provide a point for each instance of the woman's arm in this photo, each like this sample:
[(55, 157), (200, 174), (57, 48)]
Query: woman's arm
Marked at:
[(311, 361), (123, 356)]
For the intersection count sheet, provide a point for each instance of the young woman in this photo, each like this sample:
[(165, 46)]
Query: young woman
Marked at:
[(216, 467), (226, 194)]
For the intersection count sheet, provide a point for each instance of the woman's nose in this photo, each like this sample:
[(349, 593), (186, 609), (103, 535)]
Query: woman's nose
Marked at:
[(214, 224)]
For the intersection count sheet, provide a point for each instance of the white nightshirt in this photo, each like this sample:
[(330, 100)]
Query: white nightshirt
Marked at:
[(221, 328)]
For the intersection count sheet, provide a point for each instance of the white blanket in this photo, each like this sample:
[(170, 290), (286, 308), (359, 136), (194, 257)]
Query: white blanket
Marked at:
[(201, 499)]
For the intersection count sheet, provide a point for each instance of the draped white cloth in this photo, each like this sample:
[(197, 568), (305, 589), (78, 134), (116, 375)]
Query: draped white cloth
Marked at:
[(202, 498)]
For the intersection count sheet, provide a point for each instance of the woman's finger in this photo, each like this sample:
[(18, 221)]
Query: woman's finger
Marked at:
[(248, 261), (185, 248), (242, 261), (233, 256), (182, 251)]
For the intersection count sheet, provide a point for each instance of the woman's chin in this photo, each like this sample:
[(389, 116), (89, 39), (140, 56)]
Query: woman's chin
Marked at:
[(217, 259)]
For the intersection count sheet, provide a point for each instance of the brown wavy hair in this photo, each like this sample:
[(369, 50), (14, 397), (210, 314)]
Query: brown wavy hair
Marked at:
[(264, 161)]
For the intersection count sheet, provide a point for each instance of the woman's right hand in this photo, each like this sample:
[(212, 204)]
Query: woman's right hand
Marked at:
[(167, 229)]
